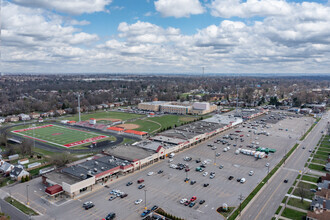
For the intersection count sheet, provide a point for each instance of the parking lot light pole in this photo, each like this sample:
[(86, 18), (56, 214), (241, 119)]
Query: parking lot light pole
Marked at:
[(27, 194), (145, 199)]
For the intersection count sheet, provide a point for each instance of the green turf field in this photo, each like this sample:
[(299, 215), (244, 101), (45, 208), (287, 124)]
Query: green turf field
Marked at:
[(104, 114), (153, 124), (60, 135)]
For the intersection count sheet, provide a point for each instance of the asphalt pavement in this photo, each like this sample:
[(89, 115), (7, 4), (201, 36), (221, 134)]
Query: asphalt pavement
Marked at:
[(268, 200)]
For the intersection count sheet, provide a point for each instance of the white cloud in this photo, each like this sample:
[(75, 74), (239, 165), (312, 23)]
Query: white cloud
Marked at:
[(250, 8), (67, 6), (176, 8), (37, 40)]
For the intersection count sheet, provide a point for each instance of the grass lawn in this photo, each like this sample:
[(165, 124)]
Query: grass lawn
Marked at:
[(322, 153), (310, 178), (20, 206), (103, 114), (297, 203), (290, 190), (153, 123), (278, 210), (43, 152), (61, 136), (324, 149), (308, 193), (4, 181), (319, 156), (293, 214), (306, 185), (284, 199), (35, 172), (317, 167), (323, 162)]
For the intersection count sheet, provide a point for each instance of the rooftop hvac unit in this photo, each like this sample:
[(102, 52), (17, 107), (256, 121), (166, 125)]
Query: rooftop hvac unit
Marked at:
[(110, 160), (102, 168), (95, 169), (96, 162), (123, 164), (126, 161)]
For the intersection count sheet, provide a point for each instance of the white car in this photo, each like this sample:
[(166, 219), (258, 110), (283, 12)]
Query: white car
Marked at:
[(183, 200), (138, 201), (243, 180), (251, 173), (150, 173), (205, 173), (267, 164)]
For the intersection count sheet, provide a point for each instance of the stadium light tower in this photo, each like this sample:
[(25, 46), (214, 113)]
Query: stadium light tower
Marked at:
[(78, 94)]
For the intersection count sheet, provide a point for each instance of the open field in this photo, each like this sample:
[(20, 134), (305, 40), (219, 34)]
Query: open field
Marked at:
[(60, 135), (104, 115), (153, 124)]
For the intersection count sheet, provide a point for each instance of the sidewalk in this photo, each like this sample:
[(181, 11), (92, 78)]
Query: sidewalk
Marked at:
[(298, 197)]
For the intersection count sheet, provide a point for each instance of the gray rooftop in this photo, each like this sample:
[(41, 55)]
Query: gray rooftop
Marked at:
[(153, 145), (59, 177), (93, 167), (221, 119), (129, 152), (169, 140)]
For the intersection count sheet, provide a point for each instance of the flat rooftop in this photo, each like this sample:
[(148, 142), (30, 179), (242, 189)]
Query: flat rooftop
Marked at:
[(153, 145), (59, 177), (95, 166), (221, 119), (129, 152), (169, 140)]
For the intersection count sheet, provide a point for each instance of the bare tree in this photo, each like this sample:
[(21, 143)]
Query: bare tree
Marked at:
[(62, 159)]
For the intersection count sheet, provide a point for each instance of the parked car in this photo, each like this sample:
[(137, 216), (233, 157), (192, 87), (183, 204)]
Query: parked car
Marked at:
[(221, 166), (89, 206), (140, 181), (141, 186), (186, 179), (138, 201), (192, 182), (193, 198), (160, 171), (205, 173), (286, 181), (198, 160), (154, 208), (111, 216), (129, 183), (112, 198), (192, 204), (186, 203), (182, 201), (145, 212), (150, 173), (230, 177), (201, 202), (267, 164), (123, 195), (206, 184), (243, 180), (251, 173)]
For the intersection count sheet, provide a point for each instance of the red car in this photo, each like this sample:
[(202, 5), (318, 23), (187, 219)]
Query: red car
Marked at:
[(187, 169), (140, 181), (242, 135), (193, 198)]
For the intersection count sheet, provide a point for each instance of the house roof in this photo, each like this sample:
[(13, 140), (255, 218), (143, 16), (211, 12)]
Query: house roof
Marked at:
[(320, 215), (5, 166), (16, 171), (116, 129), (136, 132)]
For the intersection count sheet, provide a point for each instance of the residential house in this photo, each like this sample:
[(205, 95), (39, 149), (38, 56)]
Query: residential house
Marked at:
[(44, 114), (18, 172), (2, 120), (5, 167), (34, 115), (24, 117), (12, 118), (319, 203), (60, 112), (323, 185), (327, 167)]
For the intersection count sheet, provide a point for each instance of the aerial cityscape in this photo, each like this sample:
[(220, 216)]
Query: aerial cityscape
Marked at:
[(165, 109)]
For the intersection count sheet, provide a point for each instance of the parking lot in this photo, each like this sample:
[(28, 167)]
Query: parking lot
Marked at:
[(168, 188)]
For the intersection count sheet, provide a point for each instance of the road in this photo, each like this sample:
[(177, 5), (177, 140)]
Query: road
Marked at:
[(266, 203)]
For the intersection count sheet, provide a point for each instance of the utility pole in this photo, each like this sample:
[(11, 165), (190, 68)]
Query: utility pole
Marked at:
[(241, 198), (215, 158), (27, 194), (145, 199), (79, 106)]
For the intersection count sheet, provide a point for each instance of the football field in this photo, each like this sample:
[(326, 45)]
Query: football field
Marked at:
[(60, 135)]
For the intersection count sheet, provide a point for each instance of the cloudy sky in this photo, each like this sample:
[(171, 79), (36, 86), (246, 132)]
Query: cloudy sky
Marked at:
[(165, 36)]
